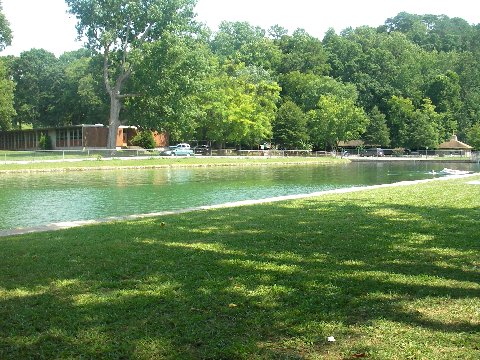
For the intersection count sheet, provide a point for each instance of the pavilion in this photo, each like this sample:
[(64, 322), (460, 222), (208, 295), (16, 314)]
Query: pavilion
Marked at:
[(455, 147)]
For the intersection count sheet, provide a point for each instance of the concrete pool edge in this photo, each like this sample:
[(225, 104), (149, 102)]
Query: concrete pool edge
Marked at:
[(78, 223)]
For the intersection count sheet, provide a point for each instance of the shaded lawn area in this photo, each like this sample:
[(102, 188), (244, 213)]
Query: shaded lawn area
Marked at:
[(391, 273)]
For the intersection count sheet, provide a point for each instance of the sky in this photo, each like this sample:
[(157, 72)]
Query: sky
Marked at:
[(46, 24)]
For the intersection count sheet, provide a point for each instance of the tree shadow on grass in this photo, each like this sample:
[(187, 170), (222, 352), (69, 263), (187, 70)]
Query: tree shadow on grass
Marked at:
[(254, 282)]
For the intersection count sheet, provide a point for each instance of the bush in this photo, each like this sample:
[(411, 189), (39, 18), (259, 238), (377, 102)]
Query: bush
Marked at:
[(45, 142), (144, 139)]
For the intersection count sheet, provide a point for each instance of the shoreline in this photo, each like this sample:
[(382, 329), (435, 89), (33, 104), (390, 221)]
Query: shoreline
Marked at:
[(247, 161), (424, 160)]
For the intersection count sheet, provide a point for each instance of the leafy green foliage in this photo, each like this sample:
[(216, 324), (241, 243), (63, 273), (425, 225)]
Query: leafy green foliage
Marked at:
[(303, 53), (45, 142), (290, 127), (163, 71), (144, 139), (57, 92), (377, 132), (433, 32), (119, 22), (38, 77), (172, 101), (5, 31), (444, 92), (415, 128), (305, 89), (401, 112), (7, 87), (241, 42), (239, 106), (423, 130), (82, 99), (473, 136), (118, 30), (335, 120)]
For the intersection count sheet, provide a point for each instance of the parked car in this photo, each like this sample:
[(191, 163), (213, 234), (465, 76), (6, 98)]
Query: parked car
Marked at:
[(181, 149), (202, 150), (372, 152)]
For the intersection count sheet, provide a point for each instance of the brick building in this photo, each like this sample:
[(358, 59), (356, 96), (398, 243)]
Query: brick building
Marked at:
[(72, 137)]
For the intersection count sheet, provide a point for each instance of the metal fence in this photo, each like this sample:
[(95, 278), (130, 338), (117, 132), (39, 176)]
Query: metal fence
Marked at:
[(459, 154), (281, 153), (99, 154), (73, 155)]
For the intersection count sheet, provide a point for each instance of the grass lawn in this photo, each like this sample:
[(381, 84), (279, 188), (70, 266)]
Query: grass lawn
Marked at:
[(164, 162), (391, 273)]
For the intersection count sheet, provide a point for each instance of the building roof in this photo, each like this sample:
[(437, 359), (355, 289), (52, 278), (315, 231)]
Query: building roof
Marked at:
[(351, 143), (454, 144)]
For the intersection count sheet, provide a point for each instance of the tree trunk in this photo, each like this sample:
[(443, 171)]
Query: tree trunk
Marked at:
[(114, 121)]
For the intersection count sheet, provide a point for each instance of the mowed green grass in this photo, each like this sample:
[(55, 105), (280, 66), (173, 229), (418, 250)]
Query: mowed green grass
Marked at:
[(392, 273), (156, 161)]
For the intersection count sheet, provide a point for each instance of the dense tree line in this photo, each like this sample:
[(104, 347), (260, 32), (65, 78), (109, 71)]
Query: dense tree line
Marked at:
[(410, 83)]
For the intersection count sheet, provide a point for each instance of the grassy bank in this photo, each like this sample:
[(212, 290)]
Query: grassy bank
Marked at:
[(391, 273), (163, 162)]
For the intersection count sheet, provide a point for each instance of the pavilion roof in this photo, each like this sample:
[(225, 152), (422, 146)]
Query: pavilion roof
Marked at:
[(454, 143)]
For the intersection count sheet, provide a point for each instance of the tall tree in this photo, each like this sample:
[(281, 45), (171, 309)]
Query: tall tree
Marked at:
[(118, 29), (38, 76), (444, 92), (400, 115), (379, 64), (305, 89), (82, 99), (7, 112), (433, 32), (304, 53), (5, 31), (174, 89), (336, 120), (290, 127), (242, 42), (469, 74), (7, 86), (413, 127), (239, 106), (377, 130), (473, 136), (424, 128)]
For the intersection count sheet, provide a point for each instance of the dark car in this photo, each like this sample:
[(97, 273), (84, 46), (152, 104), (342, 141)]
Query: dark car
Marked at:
[(202, 150), (377, 152)]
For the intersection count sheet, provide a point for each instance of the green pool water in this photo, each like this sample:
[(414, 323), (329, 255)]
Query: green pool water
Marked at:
[(36, 199)]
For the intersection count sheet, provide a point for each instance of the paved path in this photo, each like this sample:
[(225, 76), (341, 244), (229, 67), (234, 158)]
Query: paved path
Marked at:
[(73, 224)]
